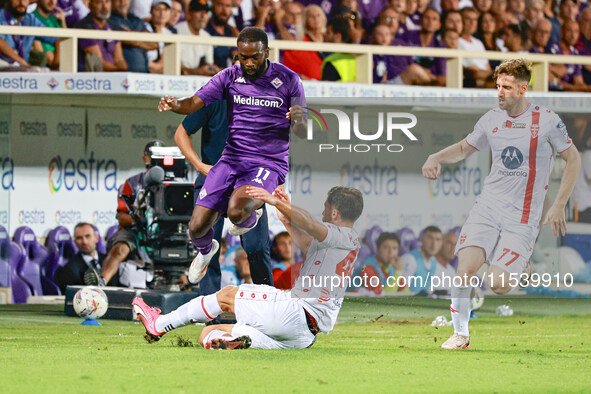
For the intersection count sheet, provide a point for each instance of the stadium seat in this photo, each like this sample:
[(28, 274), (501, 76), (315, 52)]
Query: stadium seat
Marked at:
[(371, 237), (110, 231), (13, 254), (408, 240), (61, 247), (4, 258), (36, 256), (456, 230), (101, 245)]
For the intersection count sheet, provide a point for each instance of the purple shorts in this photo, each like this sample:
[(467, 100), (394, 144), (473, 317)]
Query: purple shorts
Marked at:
[(227, 175)]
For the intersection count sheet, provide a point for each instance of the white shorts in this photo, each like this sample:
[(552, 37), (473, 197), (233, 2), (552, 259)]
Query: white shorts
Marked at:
[(271, 318), (506, 245)]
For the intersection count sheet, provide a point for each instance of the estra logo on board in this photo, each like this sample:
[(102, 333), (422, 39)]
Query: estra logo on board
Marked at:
[(93, 174)]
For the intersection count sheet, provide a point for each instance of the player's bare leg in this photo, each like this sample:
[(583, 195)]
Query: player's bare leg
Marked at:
[(199, 310), (499, 280), (201, 232), (243, 211), (470, 259)]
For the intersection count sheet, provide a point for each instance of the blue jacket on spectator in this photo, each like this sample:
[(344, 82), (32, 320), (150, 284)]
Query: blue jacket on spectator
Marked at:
[(136, 58), (21, 44)]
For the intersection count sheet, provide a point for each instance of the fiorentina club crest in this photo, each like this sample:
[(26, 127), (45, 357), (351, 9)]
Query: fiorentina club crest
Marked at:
[(535, 128), (276, 83), (52, 83), (463, 238)]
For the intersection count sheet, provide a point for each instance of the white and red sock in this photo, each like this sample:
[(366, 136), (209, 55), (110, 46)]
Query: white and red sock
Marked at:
[(198, 310), (460, 309)]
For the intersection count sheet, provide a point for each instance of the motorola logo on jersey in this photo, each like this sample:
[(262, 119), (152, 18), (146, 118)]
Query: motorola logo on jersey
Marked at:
[(512, 158)]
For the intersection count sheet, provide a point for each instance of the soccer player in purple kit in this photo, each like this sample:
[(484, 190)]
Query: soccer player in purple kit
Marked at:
[(263, 99)]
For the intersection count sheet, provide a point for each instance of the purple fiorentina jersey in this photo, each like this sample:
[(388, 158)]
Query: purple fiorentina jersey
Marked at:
[(258, 128)]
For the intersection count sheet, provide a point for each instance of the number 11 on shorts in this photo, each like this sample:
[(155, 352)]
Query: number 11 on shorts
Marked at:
[(512, 260)]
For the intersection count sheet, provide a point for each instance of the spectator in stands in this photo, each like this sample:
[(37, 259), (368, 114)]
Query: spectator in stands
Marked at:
[(434, 67), (281, 254), (453, 22), (516, 37), (584, 44), (308, 64), (141, 8), (21, 52), (450, 5), (239, 273), (541, 36), (177, 15), (74, 10), (568, 10), (483, 6), (221, 11), (294, 19), (534, 11), (476, 71), (51, 16), (354, 19), (450, 39), (85, 238), (517, 10), (389, 17), (487, 33), (269, 17), (400, 6), (157, 24), (386, 264), (446, 261), (502, 16), (325, 5), (196, 59), (567, 77), (340, 67), (370, 10), (99, 55), (421, 263), (134, 52), (582, 191), (123, 245)]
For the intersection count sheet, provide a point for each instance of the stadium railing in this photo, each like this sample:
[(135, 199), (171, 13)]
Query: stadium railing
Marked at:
[(364, 53)]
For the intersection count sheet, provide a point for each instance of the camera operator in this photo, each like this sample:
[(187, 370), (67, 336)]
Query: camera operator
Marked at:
[(123, 245), (214, 121)]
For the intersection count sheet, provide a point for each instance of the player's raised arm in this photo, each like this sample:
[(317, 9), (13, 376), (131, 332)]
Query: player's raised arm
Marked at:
[(555, 215), (185, 106), (452, 154), (183, 141)]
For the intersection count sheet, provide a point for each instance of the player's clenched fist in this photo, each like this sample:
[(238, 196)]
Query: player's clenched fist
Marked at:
[(431, 168), (296, 114), (168, 103)]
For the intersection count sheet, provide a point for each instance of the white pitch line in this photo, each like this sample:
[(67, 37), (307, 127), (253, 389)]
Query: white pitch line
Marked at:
[(37, 320)]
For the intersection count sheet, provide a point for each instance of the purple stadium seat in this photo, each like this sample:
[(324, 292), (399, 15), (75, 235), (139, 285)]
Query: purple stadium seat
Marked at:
[(36, 256), (233, 241), (110, 231), (4, 258), (61, 247), (371, 237), (101, 245), (408, 240), (456, 230), (13, 254)]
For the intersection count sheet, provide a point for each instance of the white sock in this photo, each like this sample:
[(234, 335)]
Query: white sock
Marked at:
[(216, 334), (460, 309), (198, 310)]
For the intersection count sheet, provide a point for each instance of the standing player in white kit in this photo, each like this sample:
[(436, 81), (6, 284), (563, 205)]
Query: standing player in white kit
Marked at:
[(504, 222)]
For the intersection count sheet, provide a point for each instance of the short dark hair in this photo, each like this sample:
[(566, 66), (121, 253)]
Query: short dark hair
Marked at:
[(347, 200), (431, 229), (342, 26), (385, 236), (82, 224), (253, 34), (280, 235)]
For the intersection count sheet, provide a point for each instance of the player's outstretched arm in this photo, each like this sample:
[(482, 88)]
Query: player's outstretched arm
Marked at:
[(451, 154), (301, 238), (183, 141), (185, 106), (555, 215)]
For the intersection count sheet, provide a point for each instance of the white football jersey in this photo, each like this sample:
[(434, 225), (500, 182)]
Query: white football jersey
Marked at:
[(319, 287), (523, 149)]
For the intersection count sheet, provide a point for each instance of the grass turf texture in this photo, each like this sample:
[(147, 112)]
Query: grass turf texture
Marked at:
[(544, 347)]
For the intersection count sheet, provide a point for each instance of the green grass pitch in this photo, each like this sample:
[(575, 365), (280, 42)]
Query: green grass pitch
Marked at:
[(380, 345)]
